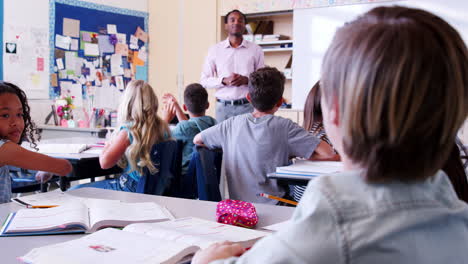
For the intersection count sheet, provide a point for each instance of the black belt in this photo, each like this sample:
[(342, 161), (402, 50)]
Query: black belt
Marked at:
[(233, 102)]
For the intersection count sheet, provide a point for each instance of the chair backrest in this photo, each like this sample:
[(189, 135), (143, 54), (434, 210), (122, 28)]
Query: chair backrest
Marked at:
[(204, 172), (164, 156)]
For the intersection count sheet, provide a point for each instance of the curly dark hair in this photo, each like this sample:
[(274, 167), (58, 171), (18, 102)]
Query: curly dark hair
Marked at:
[(266, 87), (195, 98), (30, 132)]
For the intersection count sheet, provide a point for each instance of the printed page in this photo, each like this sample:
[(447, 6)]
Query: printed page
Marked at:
[(312, 167), (56, 197), (110, 246), (198, 232), (31, 220), (277, 226), (110, 213)]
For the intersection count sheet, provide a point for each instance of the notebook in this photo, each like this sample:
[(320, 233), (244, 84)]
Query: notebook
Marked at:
[(165, 242), (311, 168), (80, 216)]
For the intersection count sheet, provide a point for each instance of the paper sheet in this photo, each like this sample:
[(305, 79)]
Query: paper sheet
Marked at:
[(141, 34), (133, 42), (104, 44), (77, 91), (136, 59), (70, 60), (74, 44), (119, 83), (60, 65), (111, 29), (59, 53), (122, 38), (71, 27), (141, 73), (91, 49), (62, 42), (116, 65), (65, 87), (121, 49), (142, 54), (54, 80)]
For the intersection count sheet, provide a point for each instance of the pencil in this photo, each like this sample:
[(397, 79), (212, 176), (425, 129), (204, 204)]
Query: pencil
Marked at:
[(277, 198), (42, 206)]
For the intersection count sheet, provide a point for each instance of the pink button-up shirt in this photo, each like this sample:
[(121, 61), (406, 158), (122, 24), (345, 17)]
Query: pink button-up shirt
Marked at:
[(224, 60)]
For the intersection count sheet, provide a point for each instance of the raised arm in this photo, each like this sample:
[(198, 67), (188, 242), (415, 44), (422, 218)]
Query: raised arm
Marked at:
[(15, 155), (114, 150)]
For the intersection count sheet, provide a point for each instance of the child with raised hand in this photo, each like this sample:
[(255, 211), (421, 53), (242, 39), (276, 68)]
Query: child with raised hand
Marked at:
[(393, 118), (195, 103), (130, 147), (15, 127)]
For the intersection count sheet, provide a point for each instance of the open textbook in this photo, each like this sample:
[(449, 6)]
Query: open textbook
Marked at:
[(165, 242), (311, 168), (81, 215)]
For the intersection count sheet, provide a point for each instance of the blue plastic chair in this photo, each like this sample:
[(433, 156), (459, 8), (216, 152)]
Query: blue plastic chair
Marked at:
[(164, 182), (203, 176)]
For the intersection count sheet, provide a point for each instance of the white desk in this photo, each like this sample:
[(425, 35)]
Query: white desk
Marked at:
[(12, 247), (85, 165), (51, 132)]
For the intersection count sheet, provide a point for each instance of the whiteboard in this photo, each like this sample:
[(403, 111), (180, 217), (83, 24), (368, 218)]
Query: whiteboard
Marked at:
[(314, 28)]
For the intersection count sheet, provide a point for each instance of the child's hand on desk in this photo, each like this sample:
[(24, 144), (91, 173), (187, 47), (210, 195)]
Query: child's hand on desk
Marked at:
[(218, 251), (42, 176)]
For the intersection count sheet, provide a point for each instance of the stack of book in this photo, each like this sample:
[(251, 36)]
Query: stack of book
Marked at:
[(310, 168), (274, 37)]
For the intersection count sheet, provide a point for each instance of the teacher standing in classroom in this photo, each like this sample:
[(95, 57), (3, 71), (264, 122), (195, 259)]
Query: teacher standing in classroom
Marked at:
[(228, 65)]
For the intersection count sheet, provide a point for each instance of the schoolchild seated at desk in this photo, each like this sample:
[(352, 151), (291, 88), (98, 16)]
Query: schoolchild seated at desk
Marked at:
[(15, 127), (395, 93), (130, 147), (195, 103), (254, 144)]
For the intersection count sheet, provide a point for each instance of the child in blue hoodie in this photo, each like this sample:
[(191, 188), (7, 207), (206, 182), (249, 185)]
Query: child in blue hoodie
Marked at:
[(195, 103)]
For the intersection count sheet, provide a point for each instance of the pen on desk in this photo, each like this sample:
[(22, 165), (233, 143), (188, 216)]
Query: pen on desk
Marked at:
[(41, 206), (277, 198)]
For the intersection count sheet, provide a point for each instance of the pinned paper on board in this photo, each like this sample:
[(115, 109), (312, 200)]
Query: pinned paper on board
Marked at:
[(121, 49), (59, 54), (136, 59), (85, 36), (104, 44), (74, 44), (142, 54), (133, 42), (141, 73), (141, 34), (40, 64), (121, 38), (71, 27), (91, 49), (76, 90), (10, 48), (119, 83), (116, 65), (111, 29), (60, 65), (62, 42), (53, 80), (70, 60)]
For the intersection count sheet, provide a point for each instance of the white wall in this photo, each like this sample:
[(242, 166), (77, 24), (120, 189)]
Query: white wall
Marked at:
[(19, 20)]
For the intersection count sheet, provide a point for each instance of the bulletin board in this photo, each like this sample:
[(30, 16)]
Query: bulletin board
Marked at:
[(95, 50)]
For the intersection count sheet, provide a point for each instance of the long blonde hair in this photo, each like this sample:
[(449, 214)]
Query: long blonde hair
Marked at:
[(138, 111)]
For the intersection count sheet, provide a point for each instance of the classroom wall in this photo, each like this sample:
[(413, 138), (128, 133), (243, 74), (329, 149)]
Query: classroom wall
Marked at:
[(181, 33), (37, 15)]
